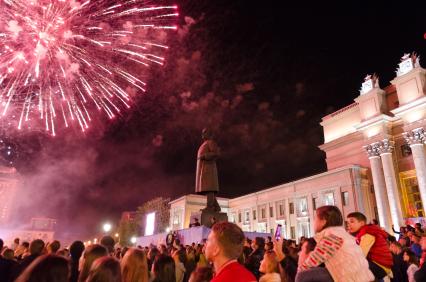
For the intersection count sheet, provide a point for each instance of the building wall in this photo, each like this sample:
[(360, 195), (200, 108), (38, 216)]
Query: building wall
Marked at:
[(8, 188), (381, 128), (299, 199), (263, 210)]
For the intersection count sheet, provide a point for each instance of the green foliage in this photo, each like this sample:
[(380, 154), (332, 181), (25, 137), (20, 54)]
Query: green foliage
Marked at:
[(135, 225), (127, 229), (161, 208)]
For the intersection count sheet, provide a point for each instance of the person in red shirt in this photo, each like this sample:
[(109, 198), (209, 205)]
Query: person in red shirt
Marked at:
[(373, 242), (223, 247)]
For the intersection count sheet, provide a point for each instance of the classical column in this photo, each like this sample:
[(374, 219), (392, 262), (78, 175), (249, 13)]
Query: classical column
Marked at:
[(385, 149), (415, 139), (379, 186)]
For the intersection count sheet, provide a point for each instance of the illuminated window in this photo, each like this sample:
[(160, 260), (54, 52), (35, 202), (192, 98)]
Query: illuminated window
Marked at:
[(293, 232), (247, 217), (328, 199), (406, 150), (412, 199), (263, 213), (314, 203), (302, 207), (280, 209), (345, 198)]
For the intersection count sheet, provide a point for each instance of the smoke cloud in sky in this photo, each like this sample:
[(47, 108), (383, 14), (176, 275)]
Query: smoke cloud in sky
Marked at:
[(150, 151)]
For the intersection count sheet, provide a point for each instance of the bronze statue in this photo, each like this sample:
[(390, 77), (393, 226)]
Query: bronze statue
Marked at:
[(206, 179)]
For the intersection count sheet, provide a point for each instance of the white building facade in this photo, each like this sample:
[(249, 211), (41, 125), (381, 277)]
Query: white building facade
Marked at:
[(292, 204)]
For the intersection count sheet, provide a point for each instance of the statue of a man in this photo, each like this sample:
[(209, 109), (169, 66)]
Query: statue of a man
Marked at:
[(206, 179)]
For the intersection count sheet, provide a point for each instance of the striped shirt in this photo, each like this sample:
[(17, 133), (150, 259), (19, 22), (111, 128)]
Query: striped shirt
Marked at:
[(324, 250)]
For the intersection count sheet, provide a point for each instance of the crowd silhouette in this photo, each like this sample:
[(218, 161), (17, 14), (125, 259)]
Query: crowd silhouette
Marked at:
[(343, 249)]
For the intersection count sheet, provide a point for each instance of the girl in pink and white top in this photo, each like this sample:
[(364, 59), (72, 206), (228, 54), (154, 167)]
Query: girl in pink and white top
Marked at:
[(336, 249)]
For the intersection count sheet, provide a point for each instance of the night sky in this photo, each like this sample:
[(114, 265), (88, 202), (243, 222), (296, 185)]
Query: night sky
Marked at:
[(260, 75)]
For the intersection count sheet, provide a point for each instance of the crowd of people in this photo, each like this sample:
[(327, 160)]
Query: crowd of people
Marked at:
[(355, 251)]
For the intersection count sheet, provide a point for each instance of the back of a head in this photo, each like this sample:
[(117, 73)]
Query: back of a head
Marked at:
[(8, 254), (108, 242), (76, 249), (164, 269), (47, 268), (202, 274), (134, 266), (310, 244), (36, 247), (91, 253), (1, 244), (260, 242), (153, 252), (230, 237), (331, 214), (181, 254), (177, 242), (105, 269), (54, 246)]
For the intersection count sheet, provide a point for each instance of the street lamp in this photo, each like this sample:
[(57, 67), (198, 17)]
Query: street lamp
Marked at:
[(107, 227), (116, 235), (133, 240)]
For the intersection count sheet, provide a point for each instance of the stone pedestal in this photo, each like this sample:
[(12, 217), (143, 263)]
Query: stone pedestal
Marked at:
[(205, 217)]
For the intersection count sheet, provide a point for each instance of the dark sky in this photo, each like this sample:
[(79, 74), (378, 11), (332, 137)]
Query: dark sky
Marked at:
[(261, 75)]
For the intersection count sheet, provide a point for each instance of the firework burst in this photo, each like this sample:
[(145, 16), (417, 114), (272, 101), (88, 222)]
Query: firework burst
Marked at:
[(64, 61)]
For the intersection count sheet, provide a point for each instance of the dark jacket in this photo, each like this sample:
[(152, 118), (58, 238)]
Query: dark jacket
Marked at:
[(23, 265), (253, 262), (399, 268), (420, 274), (74, 273), (289, 266), (6, 269)]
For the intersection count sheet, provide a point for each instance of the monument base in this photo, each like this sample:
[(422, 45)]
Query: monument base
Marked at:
[(205, 217)]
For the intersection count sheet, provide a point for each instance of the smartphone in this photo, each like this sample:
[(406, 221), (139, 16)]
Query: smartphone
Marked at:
[(278, 232)]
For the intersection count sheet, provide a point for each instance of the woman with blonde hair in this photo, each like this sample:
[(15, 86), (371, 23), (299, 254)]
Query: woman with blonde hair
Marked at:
[(269, 267), (105, 269), (134, 266), (91, 253)]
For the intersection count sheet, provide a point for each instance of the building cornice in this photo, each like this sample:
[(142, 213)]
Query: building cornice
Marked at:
[(291, 185), (344, 140), (379, 119), (201, 197), (331, 117), (414, 105)]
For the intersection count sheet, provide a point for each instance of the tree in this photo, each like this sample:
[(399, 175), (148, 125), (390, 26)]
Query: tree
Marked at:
[(161, 208), (128, 228)]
